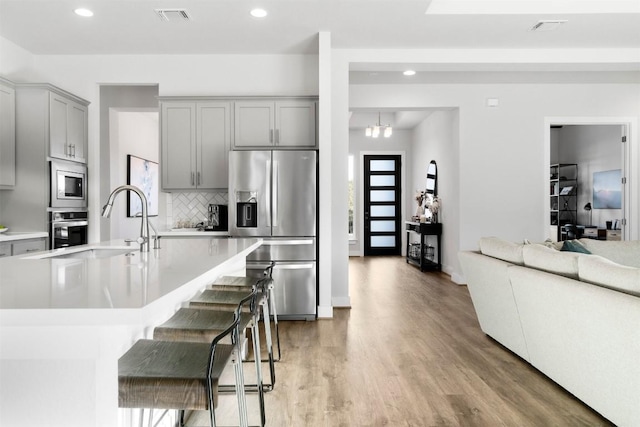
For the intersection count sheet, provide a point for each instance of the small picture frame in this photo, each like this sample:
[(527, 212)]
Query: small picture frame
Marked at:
[(143, 174), (566, 191)]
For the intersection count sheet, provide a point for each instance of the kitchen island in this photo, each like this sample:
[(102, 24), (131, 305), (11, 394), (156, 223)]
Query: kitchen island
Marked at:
[(65, 321)]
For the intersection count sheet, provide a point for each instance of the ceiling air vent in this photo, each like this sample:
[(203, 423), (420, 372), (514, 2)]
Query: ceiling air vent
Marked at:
[(173, 15), (548, 25)]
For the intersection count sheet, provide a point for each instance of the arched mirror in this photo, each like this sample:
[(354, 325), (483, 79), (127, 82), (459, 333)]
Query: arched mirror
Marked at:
[(432, 179)]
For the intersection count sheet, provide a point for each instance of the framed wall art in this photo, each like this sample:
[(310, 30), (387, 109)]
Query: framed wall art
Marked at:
[(143, 174), (607, 189)]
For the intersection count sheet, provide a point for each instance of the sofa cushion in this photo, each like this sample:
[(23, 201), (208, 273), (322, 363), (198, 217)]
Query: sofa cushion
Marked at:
[(502, 249), (553, 261), (574, 246), (601, 271), (625, 252)]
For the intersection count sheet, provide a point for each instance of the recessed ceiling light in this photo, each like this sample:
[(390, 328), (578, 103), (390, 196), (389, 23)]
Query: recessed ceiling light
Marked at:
[(83, 12), (258, 13), (409, 73)]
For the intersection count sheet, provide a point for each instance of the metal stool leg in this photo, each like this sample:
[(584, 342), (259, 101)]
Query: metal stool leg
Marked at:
[(272, 301), (267, 332), (256, 348)]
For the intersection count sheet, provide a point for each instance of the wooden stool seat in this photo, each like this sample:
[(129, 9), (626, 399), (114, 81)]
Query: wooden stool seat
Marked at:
[(219, 299), (169, 375), (198, 325)]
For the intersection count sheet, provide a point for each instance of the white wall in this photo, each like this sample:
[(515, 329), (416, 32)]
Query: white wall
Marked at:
[(502, 157), (136, 133), (399, 143), (595, 148), (436, 139)]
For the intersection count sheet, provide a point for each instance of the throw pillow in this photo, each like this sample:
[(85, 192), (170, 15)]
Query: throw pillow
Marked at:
[(574, 246)]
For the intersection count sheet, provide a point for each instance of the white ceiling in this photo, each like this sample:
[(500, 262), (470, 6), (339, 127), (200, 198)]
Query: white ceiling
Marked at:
[(49, 27), (225, 26)]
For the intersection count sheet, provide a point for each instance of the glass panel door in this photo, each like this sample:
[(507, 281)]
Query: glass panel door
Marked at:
[(382, 205)]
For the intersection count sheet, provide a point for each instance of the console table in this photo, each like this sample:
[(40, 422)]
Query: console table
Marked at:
[(422, 257)]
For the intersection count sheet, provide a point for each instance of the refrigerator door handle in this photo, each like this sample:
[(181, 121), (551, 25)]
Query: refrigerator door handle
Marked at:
[(268, 191), (276, 175)]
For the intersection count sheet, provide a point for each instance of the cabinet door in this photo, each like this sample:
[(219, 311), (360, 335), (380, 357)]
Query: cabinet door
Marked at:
[(58, 122), (254, 121), (7, 136), (295, 124), (77, 133), (178, 145), (213, 144), (27, 246)]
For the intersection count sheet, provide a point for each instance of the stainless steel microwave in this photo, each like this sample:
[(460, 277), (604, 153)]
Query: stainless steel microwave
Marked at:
[(68, 185)]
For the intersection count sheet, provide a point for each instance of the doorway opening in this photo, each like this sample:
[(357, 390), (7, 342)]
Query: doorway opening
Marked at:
[(382, 204), (588, 194)]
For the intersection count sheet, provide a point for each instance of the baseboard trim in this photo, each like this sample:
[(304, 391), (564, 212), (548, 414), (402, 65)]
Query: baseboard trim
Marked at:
[(344, 302), (325, 312)]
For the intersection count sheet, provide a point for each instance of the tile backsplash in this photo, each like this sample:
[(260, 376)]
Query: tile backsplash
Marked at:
[(185, 210)]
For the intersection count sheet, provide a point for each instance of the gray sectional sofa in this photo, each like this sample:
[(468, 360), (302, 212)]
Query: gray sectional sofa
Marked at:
[(573, 316)]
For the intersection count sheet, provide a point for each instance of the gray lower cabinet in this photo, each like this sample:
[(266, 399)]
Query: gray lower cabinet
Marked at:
[(21, 247), (5, 249), (284, 123), (195, 140), (7, 135)]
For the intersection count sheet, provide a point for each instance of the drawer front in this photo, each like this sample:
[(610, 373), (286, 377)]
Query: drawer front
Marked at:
[(614, 235), (5, 249), (590, 232), (27, 246)]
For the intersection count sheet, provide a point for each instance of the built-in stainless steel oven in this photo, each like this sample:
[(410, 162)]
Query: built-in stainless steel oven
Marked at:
[(68, 184), (68, 228)]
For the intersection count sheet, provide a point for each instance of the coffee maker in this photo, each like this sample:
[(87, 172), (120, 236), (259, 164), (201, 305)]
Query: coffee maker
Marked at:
[(217, 218)]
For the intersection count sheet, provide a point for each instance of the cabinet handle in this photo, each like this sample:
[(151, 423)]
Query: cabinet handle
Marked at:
[(33, 250), (199, 182), (271, 136), (73, 150), (193, 182)]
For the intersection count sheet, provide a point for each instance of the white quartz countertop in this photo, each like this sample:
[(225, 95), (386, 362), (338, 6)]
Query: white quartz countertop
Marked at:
[(10, 236), (123, 281), (191, 232)]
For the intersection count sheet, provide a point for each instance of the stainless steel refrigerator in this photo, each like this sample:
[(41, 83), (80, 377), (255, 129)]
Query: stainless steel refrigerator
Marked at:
[(273, 195)]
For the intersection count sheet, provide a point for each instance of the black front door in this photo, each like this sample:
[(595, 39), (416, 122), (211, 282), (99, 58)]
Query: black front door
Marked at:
[(382, 205)]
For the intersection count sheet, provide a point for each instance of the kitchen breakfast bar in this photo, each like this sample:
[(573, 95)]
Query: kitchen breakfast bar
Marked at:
[(66, 316)]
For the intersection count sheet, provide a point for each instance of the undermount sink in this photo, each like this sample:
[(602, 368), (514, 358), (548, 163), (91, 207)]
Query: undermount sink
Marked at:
[(92, 253)]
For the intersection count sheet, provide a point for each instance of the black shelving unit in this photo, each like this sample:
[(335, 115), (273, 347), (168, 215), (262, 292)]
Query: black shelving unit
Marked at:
[(421, 253), (563, 197)]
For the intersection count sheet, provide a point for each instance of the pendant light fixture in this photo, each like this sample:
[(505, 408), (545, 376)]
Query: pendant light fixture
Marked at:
[(374, 131)]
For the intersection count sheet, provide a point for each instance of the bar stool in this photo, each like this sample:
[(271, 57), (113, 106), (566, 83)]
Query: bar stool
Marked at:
[(183, 375), (225, 299), (242, 283), (201, 325)]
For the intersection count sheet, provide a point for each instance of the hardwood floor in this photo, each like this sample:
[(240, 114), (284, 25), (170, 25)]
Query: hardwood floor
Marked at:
[(409, 352)]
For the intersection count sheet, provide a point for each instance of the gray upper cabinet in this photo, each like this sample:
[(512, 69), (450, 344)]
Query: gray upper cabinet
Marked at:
[(195, 139), (285, 123), (67, 128), (7, 135)]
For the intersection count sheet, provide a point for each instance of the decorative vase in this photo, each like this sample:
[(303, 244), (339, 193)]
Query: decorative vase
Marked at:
[(419, 211), (434, 218)]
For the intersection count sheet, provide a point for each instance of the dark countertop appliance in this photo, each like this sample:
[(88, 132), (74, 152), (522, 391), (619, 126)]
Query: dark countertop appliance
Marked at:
[(217, 218)]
